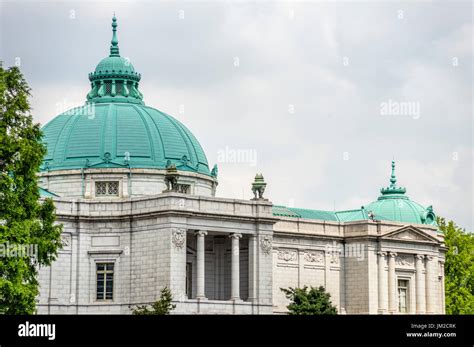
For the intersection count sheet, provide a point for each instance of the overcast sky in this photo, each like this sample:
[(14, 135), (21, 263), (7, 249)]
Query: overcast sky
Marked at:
[(325, 95)]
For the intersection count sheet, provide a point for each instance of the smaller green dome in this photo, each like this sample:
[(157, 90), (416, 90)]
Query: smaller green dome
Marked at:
[(118, 65), (114, 78), (394, 205)]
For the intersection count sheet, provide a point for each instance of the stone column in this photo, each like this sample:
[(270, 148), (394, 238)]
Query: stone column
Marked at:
[(235, 288), (382, 285), (200, 275), (392, 295), (252, 268), (420, 279), (429, 285)]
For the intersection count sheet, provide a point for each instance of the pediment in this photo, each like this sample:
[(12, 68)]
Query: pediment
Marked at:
[(410, 234)]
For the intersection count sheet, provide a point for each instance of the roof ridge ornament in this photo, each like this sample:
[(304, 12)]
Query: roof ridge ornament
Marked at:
[(114, 49)]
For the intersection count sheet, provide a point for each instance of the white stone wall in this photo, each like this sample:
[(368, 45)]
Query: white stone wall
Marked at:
[(138, 236), (133, 182), (354, 281)]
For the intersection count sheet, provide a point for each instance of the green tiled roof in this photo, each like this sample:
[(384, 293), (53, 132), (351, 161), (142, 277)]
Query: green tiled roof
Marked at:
[(351, 215), (303, 213), (44, 193), (103, 136), (392, 205)]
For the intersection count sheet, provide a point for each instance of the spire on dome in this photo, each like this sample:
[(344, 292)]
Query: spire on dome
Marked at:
[(393, 178), (115, 78), (393, 189), (114, 49)]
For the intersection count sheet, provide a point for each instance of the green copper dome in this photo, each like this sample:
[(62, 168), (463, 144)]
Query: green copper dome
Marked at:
[(114, 64), (116, 129), (394, 205)]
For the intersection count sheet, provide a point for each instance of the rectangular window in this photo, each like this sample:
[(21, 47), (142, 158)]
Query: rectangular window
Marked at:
[(403, 296), (105, 281), (107, 188), (184, 188)]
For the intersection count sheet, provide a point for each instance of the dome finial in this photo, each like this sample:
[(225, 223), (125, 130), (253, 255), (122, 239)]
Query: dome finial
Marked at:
[(393, 189), (114, 49), (393, 178)]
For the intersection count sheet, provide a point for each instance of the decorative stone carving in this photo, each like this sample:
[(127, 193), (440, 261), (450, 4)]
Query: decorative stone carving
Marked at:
[(178, 238), (66, 241), (266, 244), (334, 258), (404, 260), (287, 255), (314, 257)]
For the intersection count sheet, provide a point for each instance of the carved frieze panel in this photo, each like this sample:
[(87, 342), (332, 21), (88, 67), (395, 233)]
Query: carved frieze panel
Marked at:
[(314, 257)]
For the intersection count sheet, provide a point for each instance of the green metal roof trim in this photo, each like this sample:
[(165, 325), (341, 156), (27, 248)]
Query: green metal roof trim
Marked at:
[(120, 135), (115, 128), (351, 215), (44, 193), (303, 213)]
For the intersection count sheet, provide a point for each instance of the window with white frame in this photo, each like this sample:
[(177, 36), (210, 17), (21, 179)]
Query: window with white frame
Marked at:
[(107, 188), (403, 296), (105, 281)]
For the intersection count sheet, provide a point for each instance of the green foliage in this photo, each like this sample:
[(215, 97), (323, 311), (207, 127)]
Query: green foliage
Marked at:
[(160, 307), (458, 268), (310, 301), (24, 220)]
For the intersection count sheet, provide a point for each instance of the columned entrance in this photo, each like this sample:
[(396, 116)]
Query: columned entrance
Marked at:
[(218, 266)]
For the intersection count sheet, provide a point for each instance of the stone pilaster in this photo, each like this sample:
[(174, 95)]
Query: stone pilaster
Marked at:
[(420, 281), (430, 294), (382, 282), (392, 287)]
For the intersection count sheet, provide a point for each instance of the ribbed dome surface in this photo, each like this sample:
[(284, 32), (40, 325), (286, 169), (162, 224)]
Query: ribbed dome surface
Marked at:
[(394, 205), (400, 209), (120, 134), (114, 64)]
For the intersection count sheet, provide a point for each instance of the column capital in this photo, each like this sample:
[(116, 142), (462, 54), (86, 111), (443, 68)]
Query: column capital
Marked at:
[(235, 236), (382, 253), (420, 256), (201, 233), (393, 254), (429, 257)]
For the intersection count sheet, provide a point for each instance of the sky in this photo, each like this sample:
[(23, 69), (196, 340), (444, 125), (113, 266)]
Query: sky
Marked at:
[(317, 96)]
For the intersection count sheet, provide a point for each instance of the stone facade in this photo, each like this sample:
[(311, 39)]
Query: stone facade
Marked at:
[(229, 256), (151, 241)]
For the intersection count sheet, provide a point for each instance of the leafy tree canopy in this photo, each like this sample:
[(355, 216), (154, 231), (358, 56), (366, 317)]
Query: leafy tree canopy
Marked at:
[(309, 301), (160, 307), (458, 268), (28, 236)]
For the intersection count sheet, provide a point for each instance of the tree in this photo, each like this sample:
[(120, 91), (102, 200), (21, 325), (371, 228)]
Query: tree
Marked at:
[(309, 302), (160, 307), (28, 237), (458, 268)]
